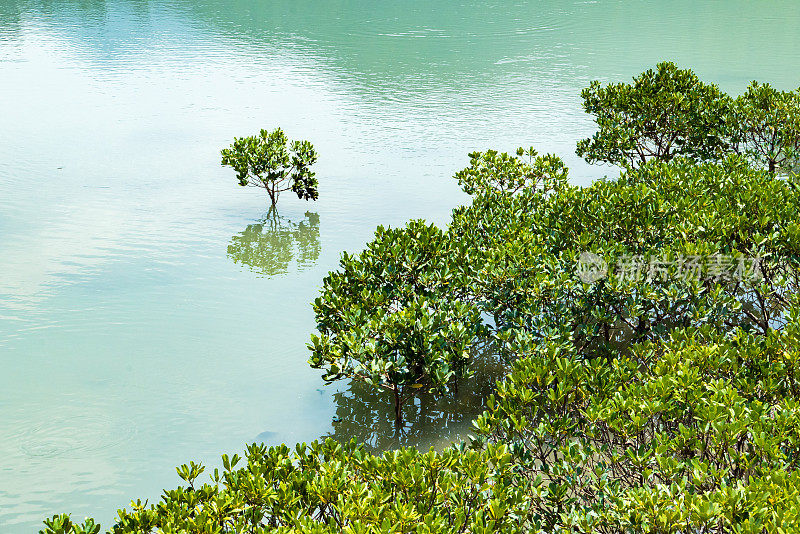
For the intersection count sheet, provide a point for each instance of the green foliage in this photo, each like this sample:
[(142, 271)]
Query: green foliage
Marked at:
[(527, 248), (63, 524), (507, 174), (699, 433), (512, 253), (382, 318), (767, 122), (327, 487), (269, 161), (506, 268), (666, 112)]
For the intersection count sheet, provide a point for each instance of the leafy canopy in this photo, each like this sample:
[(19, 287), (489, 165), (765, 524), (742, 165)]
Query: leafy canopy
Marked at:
[(767, 123), (405, 312), (507, 174), (327, 487), (269, 161), (698, 433), (666, 112), (391, 317), (669, 112)]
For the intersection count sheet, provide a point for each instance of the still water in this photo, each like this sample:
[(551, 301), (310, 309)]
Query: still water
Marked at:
[(151, 311)]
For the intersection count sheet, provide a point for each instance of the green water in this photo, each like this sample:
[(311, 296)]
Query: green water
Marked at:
[(151, 312)]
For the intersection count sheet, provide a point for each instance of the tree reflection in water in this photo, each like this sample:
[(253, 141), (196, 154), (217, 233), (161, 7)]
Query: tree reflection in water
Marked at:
[(365, 413), (269, 246)]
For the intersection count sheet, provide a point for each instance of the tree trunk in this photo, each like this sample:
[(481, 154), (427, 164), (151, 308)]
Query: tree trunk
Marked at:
[(398, 407), (273, 195)]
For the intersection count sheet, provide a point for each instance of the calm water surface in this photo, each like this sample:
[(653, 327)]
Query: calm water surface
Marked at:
[(151, 312)]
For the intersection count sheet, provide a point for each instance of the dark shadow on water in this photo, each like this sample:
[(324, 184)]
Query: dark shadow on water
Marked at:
[(365, 413), (270, 246)]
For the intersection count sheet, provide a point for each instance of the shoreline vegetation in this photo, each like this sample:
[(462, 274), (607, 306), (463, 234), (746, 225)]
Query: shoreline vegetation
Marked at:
[(649, 325)]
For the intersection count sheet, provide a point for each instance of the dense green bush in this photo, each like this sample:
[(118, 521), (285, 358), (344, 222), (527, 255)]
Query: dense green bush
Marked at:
[(767, 126), (669, 112), (392, 317), (406, 310), (699, 193), (700, 433), (666, 112), (661, 215), (327, 487)]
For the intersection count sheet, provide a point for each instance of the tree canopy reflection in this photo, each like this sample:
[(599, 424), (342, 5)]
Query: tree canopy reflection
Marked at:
[(271, 245), (364, 413)]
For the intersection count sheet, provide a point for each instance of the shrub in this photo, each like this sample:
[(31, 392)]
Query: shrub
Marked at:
[(405, 312), (700, 433), (269, 161), (666, 112), (767, 126), (391, 316), (527, 249), (697, 433), (327, 487), (669, 112)]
